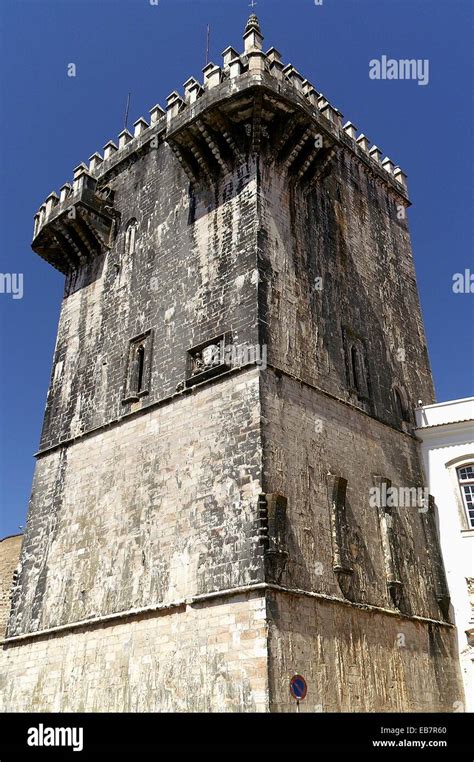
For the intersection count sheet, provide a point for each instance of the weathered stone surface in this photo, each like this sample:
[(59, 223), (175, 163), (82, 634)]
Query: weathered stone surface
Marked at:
[(155, 510), (204, 657), (9, 555), (306, 436), (190, 278), (346, 232), (358, 661), (182, 526)]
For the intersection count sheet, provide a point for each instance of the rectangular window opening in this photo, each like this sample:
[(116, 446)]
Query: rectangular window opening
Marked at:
[(138, 369)]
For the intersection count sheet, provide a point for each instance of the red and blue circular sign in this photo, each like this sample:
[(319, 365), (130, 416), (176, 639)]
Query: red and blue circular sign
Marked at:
[(298, 687)]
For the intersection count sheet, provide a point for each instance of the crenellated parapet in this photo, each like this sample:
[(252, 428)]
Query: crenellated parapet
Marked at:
[(74, 227), (252, 103)]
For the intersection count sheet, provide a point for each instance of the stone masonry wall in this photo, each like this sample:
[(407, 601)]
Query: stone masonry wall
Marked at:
[(156, 509), (345, 231), (209, 656), (359, 661), (192, 277), (307, 436), (9, 555)]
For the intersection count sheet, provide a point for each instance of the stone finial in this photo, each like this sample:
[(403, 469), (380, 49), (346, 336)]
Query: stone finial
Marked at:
[(350, 129), (276, 69), (229, 54), (109, 149), (253, 23), (37, 224), (174, 104), (192, 90), (51, 202), (322, 102), (326, 109), (309, 89), (376, 154), (400, 177), (139, 127), (388, 165), (294, 77), (253, 37), (312, 96), (42, 214), (212, 75), (156, 113), (172, 98), (95, 161), (235, 68), (79, 170), (273, 55), (338, 117), (64, 192), (363, 142), (124, 138), (331, 113), (257, 60), (275, 63)]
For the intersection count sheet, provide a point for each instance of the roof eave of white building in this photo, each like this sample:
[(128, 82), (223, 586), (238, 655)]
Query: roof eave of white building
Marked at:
[(455, 427), (446, 403)]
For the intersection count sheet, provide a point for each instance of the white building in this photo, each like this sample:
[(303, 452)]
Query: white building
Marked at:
[(447, 433)]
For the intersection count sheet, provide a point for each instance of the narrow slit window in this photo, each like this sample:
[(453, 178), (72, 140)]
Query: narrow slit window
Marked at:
[(400, 403), (355, 358), (356, 369), (131, 237), (138, 371), (400, 408), (139, 367)]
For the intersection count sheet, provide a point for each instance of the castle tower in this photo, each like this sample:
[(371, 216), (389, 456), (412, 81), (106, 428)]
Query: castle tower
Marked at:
[(239, 353)]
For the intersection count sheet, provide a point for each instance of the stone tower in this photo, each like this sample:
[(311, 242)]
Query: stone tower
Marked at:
[(239, 352), (9, 553)]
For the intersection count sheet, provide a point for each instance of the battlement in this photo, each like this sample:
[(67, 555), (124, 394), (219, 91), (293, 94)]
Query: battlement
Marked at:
[(70, 229), (251, 100)]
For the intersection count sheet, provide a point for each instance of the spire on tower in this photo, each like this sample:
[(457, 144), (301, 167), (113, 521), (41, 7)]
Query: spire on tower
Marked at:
[(253, 23), (253, 36)]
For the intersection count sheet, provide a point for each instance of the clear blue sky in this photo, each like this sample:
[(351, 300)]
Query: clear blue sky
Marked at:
[(51, 122)]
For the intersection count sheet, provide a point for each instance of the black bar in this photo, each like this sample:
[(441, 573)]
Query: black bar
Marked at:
[(422, 735)]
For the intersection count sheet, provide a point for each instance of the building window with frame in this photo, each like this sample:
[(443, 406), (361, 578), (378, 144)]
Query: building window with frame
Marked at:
[(466, 484), (356, 365), (138, 370), (400, 404)]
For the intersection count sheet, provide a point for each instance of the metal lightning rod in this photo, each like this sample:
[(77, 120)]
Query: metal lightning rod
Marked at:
[(208, 39), (127, 108)]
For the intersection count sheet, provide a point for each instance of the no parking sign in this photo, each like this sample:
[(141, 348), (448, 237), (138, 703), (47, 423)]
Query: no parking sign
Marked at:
[(298, 688)]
